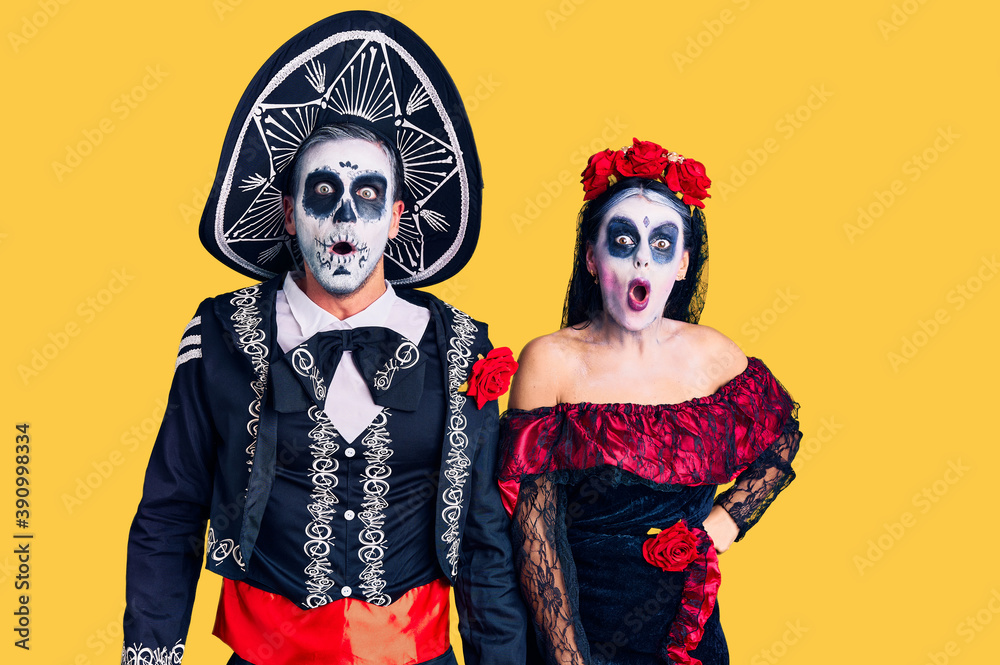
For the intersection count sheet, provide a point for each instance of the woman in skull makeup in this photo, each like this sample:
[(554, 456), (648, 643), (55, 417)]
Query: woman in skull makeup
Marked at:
[(623, 423)]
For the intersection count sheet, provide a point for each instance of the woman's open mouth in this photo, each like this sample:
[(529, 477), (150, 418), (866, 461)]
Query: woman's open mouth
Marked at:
[(638, 294)]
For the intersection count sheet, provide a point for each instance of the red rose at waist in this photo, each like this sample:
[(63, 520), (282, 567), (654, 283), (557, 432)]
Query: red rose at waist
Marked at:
[(490, 376), (672, 549)]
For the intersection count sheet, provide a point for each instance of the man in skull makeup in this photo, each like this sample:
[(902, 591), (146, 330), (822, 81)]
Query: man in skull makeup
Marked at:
[(343, 205), (371, 488)]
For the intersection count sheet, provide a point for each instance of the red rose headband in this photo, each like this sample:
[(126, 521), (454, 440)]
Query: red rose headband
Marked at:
[(645, 159)]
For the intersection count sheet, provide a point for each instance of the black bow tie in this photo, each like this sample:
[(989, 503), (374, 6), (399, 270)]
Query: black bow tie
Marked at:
[(389, 363)]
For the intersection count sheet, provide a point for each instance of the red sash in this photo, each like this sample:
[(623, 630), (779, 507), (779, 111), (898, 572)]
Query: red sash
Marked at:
[(268, 629)]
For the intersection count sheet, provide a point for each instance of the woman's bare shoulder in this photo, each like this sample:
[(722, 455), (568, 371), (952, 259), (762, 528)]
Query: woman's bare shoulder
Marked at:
[(715, 357), (543, 366)]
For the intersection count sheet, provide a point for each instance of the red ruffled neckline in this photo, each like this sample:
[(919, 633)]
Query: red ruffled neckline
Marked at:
[(700, 441), (754, 371)]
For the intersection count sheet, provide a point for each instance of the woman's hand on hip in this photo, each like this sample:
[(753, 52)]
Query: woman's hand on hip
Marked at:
[(721, 528)]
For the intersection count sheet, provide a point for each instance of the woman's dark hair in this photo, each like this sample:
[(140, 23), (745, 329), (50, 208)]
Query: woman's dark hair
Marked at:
[(687, 299)]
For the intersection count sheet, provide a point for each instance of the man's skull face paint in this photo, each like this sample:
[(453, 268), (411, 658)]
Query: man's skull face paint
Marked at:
[(638, 256), (343, 211)]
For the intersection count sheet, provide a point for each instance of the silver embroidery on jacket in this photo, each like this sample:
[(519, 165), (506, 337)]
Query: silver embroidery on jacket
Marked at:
[(319, 533), (137, 654), (219, 550), (250, 339), (457, 463), (375, 483), (190, 346)]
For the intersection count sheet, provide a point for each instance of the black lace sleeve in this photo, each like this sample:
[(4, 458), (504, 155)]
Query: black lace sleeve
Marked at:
[(546, 571), (763, 480)]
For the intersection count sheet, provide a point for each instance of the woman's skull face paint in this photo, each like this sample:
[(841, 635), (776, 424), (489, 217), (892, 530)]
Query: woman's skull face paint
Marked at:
[(637, 257), (343, 211)]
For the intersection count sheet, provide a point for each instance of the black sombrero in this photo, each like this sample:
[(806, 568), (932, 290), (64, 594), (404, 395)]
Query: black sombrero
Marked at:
[(372, 70)]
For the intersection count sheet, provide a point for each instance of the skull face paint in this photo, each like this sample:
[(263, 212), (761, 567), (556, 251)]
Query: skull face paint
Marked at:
[(343, 211), (637, 257)]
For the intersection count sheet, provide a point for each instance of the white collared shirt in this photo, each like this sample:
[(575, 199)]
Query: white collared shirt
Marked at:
[(349, 403)]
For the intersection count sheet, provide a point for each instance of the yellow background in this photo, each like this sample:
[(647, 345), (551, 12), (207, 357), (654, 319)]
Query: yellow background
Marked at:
[(868, 87)]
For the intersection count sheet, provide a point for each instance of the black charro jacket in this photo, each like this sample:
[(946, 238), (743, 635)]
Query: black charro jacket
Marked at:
[(214, 460)]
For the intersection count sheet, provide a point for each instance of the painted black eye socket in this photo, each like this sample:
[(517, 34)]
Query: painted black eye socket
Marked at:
[(368, 193), (323, 188)]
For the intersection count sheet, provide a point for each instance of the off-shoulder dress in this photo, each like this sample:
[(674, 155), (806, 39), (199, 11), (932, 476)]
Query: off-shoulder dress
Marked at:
[(585, 483)]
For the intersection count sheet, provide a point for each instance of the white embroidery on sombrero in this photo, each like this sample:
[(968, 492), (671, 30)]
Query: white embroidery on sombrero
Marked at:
[(357, 93), (404, 249), (264, 220), (421, 154), (434, 219), (418, 99), (272, 251), (289, 136), (316, 75), (253, 182), (364, 88)]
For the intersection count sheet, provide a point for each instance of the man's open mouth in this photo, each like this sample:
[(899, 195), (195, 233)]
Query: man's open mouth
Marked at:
[(343, 248), (340, 250)]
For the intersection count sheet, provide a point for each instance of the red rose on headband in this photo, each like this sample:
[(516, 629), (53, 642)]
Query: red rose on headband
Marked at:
[(688, 177), (490, 376), (595, 176), (644, 159), (672, 549)]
